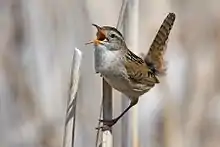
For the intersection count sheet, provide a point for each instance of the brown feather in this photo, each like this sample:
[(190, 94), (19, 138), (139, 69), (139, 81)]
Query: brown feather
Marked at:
[(154, 59), (138, 71)]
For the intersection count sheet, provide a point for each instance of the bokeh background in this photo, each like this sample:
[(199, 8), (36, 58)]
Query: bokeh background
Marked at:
[(37, 38)]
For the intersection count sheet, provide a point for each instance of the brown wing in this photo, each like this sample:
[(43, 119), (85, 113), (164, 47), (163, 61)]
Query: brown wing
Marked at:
[(137, 70), (154, 58)]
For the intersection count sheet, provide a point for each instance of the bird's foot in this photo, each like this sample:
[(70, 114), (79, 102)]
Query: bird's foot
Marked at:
[(107, 124), (103, 128)]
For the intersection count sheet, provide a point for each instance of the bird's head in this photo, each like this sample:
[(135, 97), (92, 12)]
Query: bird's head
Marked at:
[(109, 37)]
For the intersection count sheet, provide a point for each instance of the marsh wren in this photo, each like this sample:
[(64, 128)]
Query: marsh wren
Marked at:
[(125, 71)]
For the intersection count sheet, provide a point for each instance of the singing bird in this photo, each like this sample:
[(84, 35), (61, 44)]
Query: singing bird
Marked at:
[(125, 71)]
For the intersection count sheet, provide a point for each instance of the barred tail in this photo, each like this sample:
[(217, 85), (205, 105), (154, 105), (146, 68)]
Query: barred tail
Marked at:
[(154, 58)]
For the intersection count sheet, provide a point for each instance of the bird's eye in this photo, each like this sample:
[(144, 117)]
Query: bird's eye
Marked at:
[(112, 35)]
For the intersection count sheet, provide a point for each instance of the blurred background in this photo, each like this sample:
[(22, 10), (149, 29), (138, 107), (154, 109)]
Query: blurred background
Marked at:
[(37, 39)]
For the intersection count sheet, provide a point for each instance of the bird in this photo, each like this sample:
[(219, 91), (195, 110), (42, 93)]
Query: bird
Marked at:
[(125, 71)]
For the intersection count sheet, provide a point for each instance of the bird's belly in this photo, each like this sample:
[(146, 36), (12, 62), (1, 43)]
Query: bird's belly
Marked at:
[(121, 83), (118, 82)]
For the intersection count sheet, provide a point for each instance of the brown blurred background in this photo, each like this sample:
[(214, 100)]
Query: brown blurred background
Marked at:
[(37, 38)]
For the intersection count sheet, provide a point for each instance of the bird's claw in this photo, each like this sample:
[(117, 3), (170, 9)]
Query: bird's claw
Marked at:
[(103, 128), (109, 123)]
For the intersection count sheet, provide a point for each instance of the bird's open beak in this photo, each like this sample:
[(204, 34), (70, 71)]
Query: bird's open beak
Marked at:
[(100, 36), (96, 42)]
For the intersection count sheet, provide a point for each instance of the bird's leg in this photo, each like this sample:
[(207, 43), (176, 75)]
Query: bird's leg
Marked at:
[(114, 121)]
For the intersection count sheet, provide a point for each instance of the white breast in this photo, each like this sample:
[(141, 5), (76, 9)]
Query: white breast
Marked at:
[(107, 62), (110, 65)]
